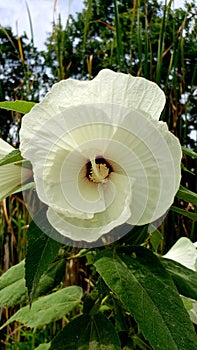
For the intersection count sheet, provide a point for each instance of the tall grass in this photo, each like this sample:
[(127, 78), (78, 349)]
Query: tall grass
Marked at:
[(14, 220), (155, 45)]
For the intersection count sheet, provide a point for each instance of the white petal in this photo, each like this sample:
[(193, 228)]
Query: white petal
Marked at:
[(108, 87), (113, 117), (184, 252), (134, 92), (11, 177), (141, 147), (62, 184), (116, 214), (5, 148)]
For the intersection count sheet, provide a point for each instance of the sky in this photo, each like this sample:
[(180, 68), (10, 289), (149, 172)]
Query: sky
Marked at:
[(14, 13)]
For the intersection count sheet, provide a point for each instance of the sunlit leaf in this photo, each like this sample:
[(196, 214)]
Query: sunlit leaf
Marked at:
[(48, 308), (13, 290), (12, 286), (17, 106)]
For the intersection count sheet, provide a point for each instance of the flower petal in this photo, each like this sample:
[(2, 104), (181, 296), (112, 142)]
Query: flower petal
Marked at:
[(184, 252), (116, 213), (137, 146), (11, 177), (80, 122), (136, 93), (5, 148)]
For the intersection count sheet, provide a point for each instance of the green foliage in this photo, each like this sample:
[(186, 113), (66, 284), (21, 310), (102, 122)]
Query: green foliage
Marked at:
[(17, 106), (189, 152), (12, 157), (43, 347), (12, 286), (48, 308), (23, 77), (51, 278), (13, 290), (156, 238), (21, 67), (184, 278), (187, 195), (139, 281), (87, 332), (41, 251), (192, 216)]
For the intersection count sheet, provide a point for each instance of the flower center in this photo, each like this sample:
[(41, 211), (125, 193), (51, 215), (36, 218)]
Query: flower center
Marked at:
[(98, 172), (98, 169)]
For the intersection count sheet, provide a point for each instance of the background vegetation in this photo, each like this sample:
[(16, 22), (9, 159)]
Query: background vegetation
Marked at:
[(143, 38)]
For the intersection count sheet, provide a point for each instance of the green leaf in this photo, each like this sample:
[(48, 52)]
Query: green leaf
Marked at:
[(141, 283), (45, 346), (15, 157), (27, 186), (184, 278), (156, 238), (12, 283), (51, 278), (12, 157), (48, 308), (87, 332), (188, 214), (186, 170), (41, 251), (89, 302), (189, 152), (12, 286), (12, 275), (187, 195), (14, 294), (17, 106), (187, 303), (191, 307)]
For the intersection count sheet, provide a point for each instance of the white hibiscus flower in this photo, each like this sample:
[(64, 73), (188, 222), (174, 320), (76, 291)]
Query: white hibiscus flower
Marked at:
[(100, 156), (12, 175)]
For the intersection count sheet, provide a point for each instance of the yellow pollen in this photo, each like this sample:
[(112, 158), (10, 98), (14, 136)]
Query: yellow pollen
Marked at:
[(98, 172)]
